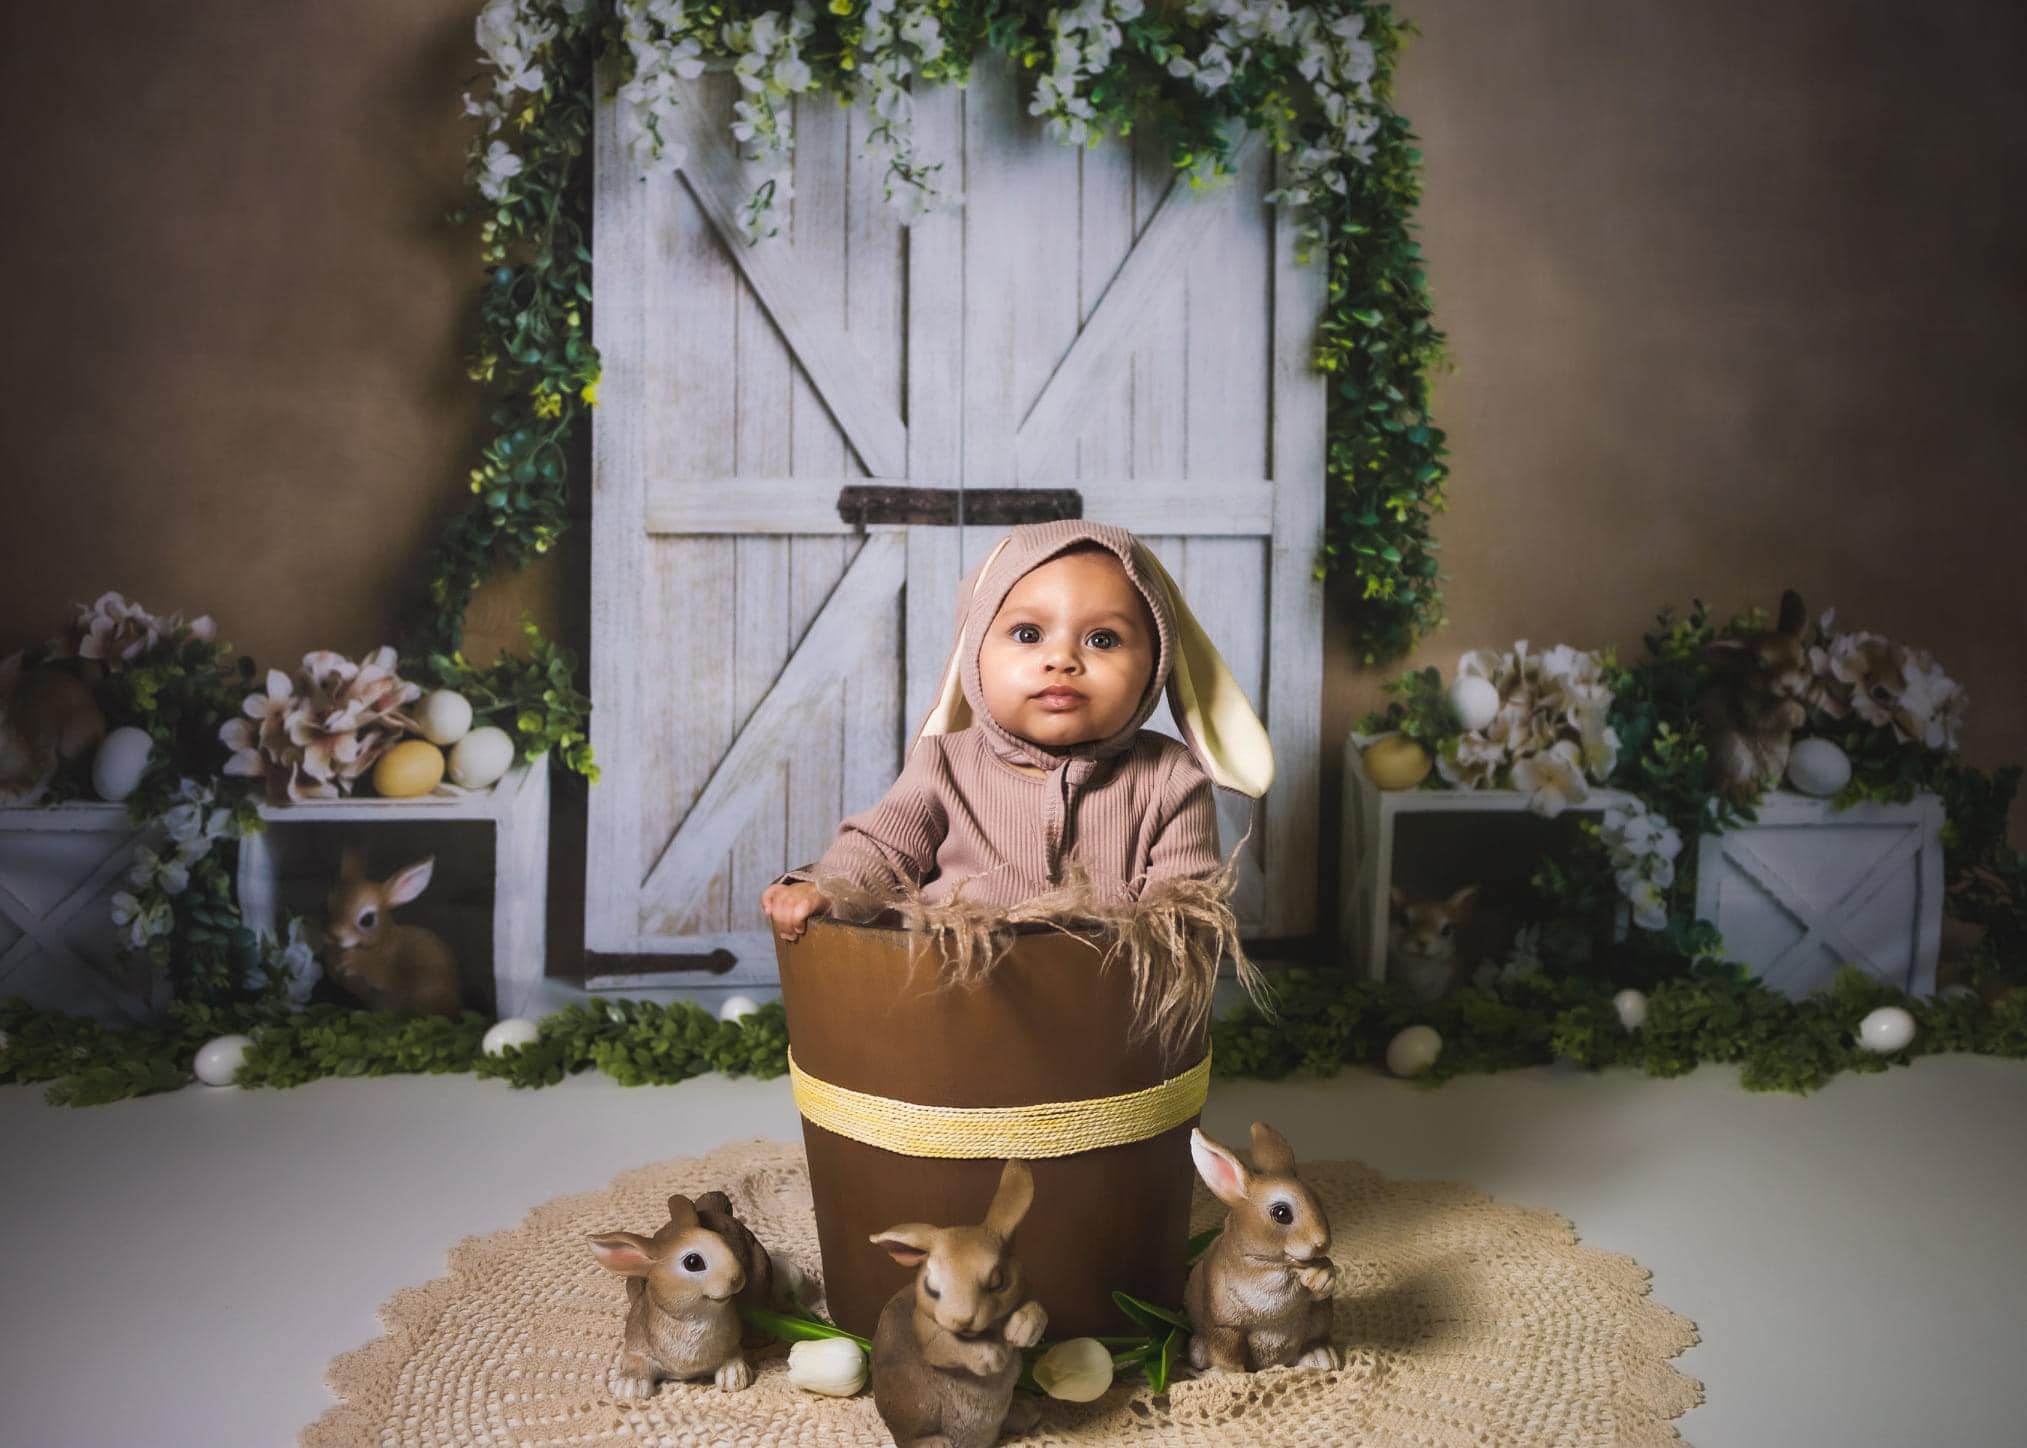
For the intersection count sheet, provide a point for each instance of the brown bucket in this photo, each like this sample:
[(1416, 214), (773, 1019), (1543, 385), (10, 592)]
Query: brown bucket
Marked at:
[(1046, 1025)]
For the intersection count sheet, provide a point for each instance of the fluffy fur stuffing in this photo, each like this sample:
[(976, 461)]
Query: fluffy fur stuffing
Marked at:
[(1169, 940)]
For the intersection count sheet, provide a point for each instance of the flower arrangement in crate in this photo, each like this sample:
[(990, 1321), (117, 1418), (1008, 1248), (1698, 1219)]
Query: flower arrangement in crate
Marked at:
[(157, 714), (333, 724), (1697, 731)]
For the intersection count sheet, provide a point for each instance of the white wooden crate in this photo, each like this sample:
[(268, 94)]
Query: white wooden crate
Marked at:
[(514, 816), (1371, 821), (59, 948), (1808, 890)]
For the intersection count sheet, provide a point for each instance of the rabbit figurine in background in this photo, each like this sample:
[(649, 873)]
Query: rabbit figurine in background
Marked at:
[(1758, 696), (388, 967), (1259, 1297), (49, 717), (947, 1351), (1422, 941), (684, 1288)]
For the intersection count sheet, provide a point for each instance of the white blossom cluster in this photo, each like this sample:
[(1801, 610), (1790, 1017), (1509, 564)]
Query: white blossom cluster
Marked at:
[(669, 46), (1643, 847), (899, 39), (771, 72), (292, 962), (514, 37), (1327, 45), (1551, 731), (658, 34), (1083, 38), (191, 828), (1887, 685)]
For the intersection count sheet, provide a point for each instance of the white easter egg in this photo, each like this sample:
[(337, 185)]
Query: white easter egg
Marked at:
[(444, 717), (1818, 767), (737, 1008), (122, 759), (1886, 1030), (219, 1059), (1474, 701), (479, 759), (1632, 1008), (1413, 1051), (513, 1031)]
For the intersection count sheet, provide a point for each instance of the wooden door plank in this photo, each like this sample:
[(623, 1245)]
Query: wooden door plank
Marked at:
[(832, 646), (630, 298), (1295, 594), (832, 360), (996, 219), (692, 507), (1146, 285)]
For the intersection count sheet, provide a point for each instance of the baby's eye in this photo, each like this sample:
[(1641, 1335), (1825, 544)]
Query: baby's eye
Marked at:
[(1103, 638), (1026, 633)]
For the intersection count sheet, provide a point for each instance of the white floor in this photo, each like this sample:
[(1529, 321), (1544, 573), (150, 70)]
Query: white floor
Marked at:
[(184, 1266)]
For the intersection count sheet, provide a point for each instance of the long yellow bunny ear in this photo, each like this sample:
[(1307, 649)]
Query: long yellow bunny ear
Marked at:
[(950, 711), (1217, 720)]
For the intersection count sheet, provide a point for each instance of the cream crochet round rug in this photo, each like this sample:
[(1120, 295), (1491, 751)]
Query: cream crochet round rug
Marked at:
[(1463, 1321)]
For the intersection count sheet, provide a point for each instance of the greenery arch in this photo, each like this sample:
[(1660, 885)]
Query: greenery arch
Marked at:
[(1315, 79)]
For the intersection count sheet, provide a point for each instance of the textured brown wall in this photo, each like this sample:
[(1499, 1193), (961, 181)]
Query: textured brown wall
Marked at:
[(1735, 294), (1733, 291), (233, 365)]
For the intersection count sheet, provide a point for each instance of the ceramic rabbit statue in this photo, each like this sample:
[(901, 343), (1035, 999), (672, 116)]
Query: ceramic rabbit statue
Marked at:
[(1259, 1297), (49, 718), (947, 1351), (684, 1288), (1759, 695), (388, 967)]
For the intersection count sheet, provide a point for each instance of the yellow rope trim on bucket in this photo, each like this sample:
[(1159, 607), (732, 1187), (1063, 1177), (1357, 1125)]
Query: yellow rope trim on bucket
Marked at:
[(1048, 1128)]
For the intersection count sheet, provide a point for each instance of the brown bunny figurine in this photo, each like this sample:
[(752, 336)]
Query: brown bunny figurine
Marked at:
[(684, 1287), (388, 967), (49, 717), (1757, 698), (1259, 1297), (947, 1351)]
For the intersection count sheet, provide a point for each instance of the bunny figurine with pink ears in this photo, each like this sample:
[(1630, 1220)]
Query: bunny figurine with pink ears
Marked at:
[(684, 1288), (1259, 1297), (388, 967)]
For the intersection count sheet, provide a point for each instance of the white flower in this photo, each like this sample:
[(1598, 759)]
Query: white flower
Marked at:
[(1077, 1371), (833, 1366), (496, 168), (1471, 761), (296, 961), (1650, 907), (1932, 706), (171, 874), (1554, 778)]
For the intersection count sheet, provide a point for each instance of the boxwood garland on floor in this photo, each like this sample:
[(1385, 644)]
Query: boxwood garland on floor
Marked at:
[(1324, 1021)]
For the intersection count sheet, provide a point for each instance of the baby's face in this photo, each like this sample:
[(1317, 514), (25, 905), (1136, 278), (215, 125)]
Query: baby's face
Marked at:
[(1069, 653)]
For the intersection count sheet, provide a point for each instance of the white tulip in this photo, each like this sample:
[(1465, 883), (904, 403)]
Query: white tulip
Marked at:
[(833, 1366), (1077, 1371)]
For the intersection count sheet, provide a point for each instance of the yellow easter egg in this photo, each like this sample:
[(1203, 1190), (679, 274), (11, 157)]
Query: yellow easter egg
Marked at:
[(1394, 761), (410, 768)]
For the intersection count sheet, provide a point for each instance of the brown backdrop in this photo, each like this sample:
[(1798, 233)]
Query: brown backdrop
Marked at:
[(1732, 290)]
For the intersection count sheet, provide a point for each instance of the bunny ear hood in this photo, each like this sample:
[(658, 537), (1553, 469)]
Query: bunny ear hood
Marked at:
[(1217, 721)]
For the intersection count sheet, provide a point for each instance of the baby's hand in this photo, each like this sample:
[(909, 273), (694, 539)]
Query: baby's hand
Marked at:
[(790, 906)]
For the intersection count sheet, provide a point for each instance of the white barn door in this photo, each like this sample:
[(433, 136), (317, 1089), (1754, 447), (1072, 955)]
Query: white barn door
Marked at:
[(804, 443)]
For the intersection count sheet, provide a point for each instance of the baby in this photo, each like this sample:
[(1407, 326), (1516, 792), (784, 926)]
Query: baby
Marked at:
[(1033, 755)]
